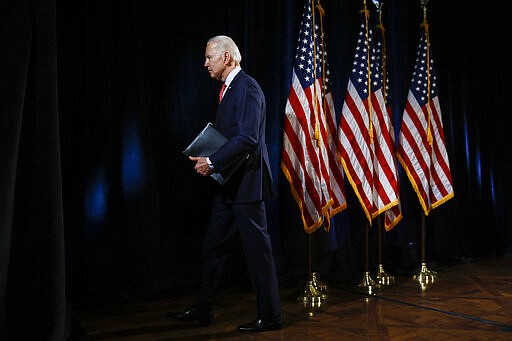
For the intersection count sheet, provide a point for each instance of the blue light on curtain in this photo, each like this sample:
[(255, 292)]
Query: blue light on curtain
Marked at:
[(466, 144), (96, 203), (96, 198), (478, 166), (133, 166), (491, 181)]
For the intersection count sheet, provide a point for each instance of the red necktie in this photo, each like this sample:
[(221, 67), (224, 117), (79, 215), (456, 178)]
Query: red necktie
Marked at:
[(222, 91)]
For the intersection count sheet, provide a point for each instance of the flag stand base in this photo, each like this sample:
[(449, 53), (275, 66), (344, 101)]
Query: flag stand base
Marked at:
[(315, 295), (383, 278), (368, 284), (425, 276)]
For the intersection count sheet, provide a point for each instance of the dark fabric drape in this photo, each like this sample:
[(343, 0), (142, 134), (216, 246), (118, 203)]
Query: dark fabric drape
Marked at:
[(33, 295), (99, 98)]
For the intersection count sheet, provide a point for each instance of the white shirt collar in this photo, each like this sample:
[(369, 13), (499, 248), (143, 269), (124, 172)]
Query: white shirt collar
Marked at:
[(232, 75)]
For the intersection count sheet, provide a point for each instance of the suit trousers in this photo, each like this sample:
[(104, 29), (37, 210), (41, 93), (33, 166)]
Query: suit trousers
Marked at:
[(249, 219)]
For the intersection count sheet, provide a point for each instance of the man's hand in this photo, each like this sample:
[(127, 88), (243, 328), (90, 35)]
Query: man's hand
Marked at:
[(201, 165)]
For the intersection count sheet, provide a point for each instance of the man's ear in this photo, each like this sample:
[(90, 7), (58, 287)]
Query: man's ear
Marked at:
[(227, 58)]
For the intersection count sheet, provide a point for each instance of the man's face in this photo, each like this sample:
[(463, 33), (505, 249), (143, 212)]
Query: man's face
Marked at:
[(214, 62)]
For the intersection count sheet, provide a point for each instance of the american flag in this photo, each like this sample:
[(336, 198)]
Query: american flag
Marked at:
[(364, 135), (421, 147), (394, 215), (310, 159)]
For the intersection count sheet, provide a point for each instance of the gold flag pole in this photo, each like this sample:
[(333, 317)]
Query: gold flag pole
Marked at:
[(368, 284), (315, 293), (426, 276), (382, 277)]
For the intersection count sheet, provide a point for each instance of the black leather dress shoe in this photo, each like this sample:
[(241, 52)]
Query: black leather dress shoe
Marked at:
[(260, 325), (204, 318)]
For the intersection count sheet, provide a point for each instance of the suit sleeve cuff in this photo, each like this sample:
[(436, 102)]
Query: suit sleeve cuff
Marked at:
[(209, 163)]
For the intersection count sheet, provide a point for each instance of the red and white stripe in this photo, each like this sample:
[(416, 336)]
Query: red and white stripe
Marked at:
[(427, 165), (368, 164), (309, 163)]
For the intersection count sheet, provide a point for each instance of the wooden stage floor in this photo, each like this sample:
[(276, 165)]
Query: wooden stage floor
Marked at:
[(466, 301)]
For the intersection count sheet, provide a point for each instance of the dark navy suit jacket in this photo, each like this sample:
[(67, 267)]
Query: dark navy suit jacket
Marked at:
[(241, 119)]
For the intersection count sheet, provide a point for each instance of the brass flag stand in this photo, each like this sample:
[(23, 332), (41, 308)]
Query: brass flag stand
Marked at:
[(382, 277), (367, 284), (424, 276), (315, 293)]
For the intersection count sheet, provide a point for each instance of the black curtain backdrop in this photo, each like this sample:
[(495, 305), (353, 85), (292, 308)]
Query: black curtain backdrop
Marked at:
[(99, 98)]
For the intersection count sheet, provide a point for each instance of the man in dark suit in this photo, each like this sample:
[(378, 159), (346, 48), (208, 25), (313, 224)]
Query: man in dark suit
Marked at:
[(238, 206)]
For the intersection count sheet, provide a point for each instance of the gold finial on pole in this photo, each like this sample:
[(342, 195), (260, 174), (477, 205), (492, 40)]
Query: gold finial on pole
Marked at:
[(379, 5), (424, 6), (424, 24), (382, 31), (369, 73)]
